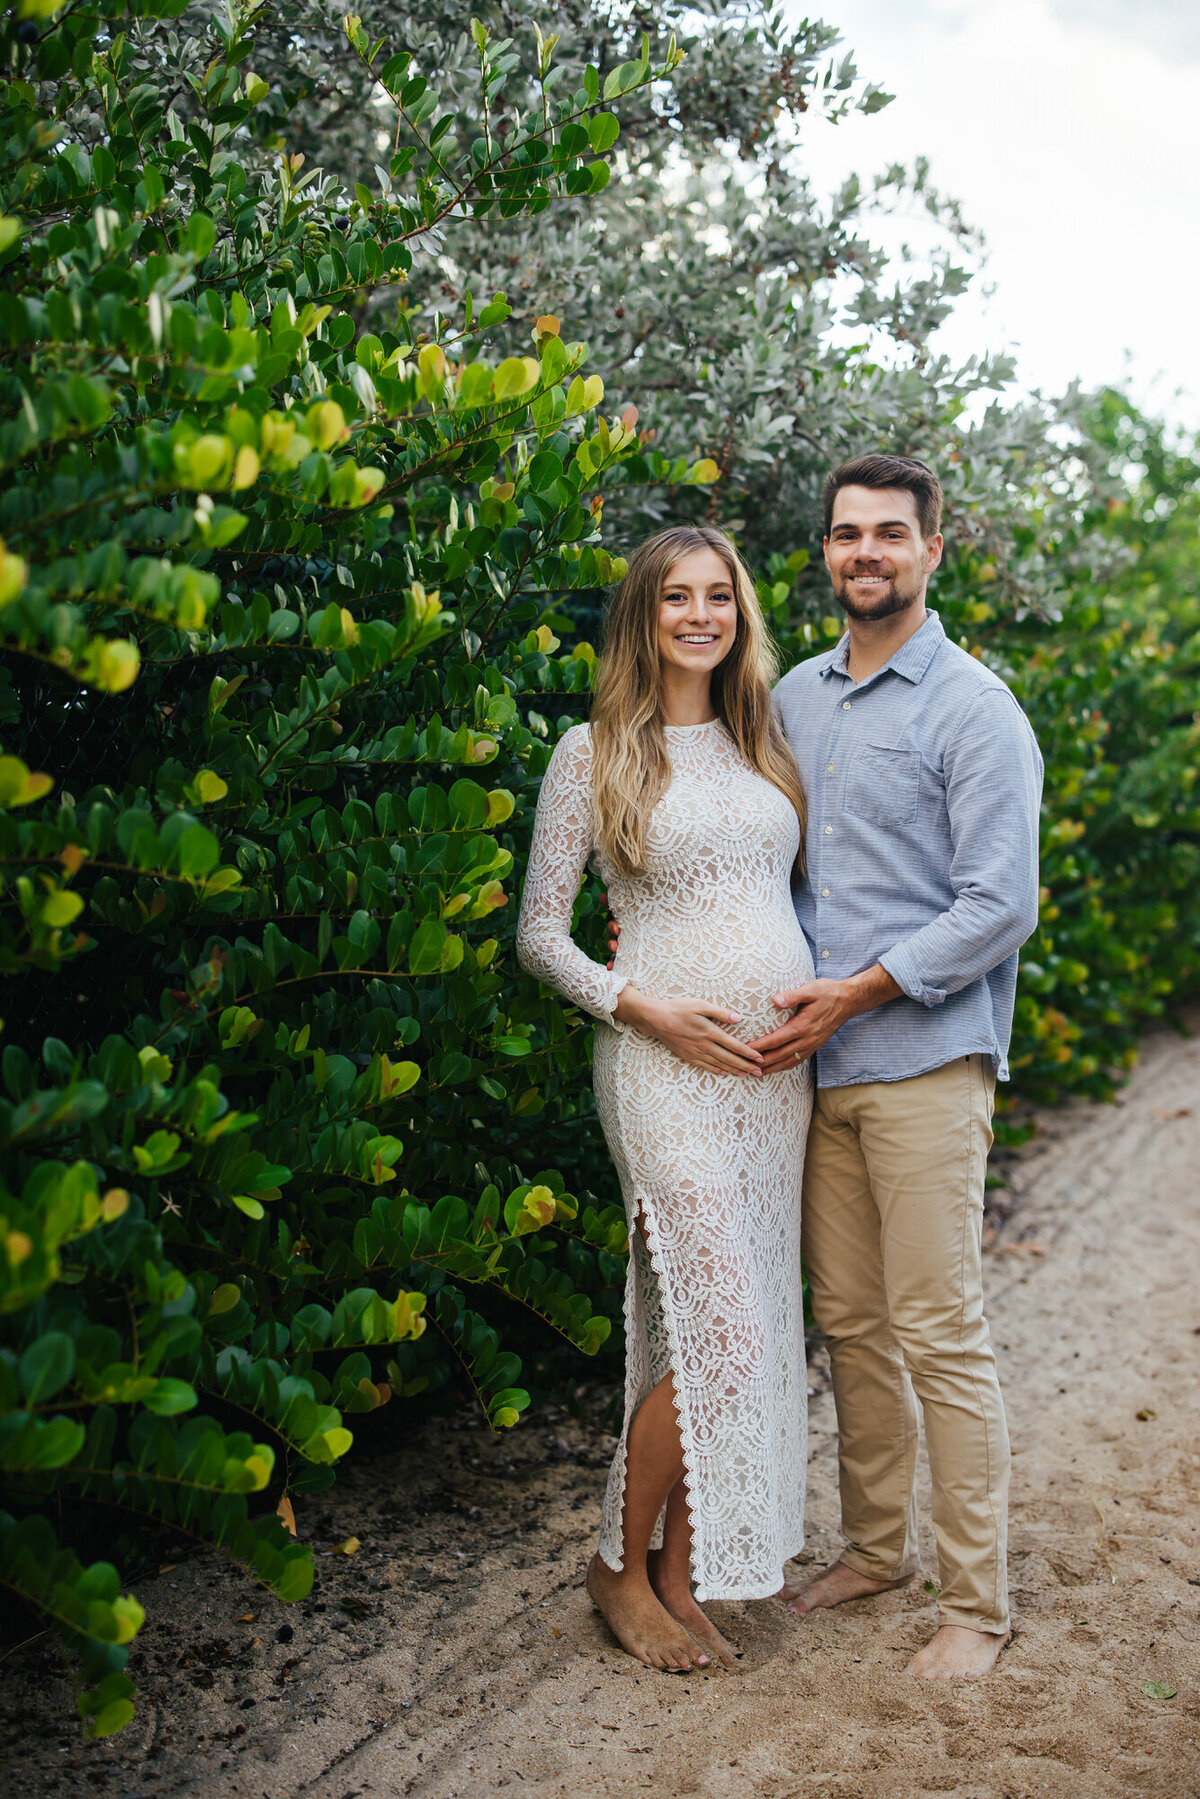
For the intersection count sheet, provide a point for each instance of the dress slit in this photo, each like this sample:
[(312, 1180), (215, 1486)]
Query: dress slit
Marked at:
[(647, 1255)]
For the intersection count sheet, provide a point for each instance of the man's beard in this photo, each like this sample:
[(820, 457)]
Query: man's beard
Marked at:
[(891, 599)]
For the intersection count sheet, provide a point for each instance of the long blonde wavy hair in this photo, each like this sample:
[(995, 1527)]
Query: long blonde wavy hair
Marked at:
[(630, 766)]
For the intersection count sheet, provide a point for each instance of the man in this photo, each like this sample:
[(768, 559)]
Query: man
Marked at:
[(923, 781)]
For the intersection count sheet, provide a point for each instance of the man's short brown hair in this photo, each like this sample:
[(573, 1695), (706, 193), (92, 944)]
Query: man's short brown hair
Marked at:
[(915, 477)]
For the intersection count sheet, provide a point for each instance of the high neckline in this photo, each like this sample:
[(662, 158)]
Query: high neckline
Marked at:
[(706, 726)]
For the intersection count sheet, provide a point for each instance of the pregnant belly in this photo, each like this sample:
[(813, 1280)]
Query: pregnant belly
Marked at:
[(741, 966)]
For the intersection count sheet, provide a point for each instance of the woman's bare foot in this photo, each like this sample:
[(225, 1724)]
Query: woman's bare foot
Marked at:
[(640, 1623), (956, 1653), (832, 1586), (682, 1607)]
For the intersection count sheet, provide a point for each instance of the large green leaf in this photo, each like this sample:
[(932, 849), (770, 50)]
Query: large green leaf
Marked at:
[(46, 1366)]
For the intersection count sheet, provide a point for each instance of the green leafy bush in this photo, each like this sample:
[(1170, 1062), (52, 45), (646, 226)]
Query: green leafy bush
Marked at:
[(1113, 686), (273, 588)]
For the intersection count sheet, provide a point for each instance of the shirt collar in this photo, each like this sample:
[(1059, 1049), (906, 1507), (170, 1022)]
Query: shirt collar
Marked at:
[(911, 659)]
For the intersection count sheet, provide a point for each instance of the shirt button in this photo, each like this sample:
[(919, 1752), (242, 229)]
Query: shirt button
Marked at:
[(824, 893), (829, 830), (824, 955), (845, 705), (829, 770)]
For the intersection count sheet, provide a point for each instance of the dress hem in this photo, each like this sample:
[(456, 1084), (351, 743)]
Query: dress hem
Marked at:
[(707, 1595), (759, 1591)]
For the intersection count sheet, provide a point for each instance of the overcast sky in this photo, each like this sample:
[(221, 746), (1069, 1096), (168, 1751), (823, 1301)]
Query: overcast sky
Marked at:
[(1070, 131)]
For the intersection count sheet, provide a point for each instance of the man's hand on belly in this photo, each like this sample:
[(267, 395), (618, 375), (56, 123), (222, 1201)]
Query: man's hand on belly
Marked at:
[(819, 1009)]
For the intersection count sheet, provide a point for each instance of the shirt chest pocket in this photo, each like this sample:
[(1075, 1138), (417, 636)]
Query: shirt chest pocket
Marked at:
[(884, 784)]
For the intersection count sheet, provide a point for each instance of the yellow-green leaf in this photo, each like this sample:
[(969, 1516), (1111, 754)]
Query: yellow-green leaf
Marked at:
[(61, 909), (17, 786), (114, 665), (326, 423), (210, 787), (516, 375), (539, 1203), (110, 1718), (114, 1205), (260, 1465), (211, 460), (14, 573), (245, 468)]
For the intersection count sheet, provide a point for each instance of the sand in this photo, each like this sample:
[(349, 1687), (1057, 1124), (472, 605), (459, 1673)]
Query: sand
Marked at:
[(456, 1652)]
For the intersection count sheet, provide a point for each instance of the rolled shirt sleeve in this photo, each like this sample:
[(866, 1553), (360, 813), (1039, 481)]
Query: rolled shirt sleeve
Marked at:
[(993, 784)]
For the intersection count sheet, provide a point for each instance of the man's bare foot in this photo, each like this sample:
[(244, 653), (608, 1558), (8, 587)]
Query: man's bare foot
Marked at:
[(832, 1586), (956, 1653), (640, 1623), (684, 1609)]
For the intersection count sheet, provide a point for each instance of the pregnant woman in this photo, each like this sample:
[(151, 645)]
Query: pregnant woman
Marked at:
[(685, 799)]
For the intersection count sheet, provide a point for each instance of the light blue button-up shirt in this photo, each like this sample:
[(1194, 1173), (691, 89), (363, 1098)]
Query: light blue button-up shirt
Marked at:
[(924, 788)]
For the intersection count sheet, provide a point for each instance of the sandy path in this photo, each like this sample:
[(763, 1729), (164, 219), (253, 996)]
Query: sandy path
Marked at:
[(456, 1653)]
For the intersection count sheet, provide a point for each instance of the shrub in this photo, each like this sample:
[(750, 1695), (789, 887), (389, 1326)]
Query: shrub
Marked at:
[(1113, 687), (276, 593)]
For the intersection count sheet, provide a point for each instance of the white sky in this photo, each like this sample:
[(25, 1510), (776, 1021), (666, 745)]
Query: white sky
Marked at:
[(1070, 132)]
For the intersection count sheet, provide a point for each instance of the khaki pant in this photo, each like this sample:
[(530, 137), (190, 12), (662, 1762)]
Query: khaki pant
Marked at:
[(893, 1212)]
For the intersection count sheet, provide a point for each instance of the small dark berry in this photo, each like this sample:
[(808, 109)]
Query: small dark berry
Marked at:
[(620, 312), (284, 1634), (27, 32), (342, 221)]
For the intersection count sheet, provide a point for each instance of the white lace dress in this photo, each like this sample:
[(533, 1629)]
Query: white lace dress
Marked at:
[(710, 1162)]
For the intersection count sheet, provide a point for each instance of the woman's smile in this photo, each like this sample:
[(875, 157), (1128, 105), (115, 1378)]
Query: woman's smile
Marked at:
[(697, 623)]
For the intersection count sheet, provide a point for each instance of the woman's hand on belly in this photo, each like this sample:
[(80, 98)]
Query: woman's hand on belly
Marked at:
[(690, 1029)]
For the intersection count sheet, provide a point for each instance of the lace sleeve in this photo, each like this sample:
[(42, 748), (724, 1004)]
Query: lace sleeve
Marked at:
[(562, 842)]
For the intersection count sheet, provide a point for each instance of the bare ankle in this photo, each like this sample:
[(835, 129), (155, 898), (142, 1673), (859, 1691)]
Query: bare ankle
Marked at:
[(600, 1574), (673, 1585)]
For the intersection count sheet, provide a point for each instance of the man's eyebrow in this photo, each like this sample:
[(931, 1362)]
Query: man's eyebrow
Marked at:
[(889, 524)]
